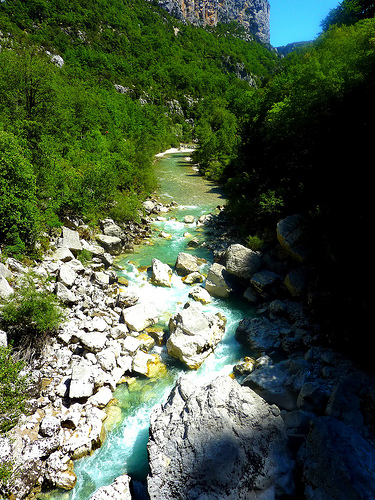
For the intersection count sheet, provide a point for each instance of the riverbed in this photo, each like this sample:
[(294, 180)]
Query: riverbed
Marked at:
[(124, 450)]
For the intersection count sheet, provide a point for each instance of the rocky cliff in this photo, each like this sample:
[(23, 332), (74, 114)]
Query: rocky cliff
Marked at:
[(254, 15)]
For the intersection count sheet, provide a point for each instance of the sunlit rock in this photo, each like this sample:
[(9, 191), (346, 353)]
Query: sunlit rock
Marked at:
[(161, 274), (194, 335)]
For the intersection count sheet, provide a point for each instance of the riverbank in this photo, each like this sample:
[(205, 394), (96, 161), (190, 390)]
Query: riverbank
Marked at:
[(108, 339)]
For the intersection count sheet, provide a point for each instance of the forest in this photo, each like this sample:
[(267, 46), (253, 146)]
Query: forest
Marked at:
[(89, 92)]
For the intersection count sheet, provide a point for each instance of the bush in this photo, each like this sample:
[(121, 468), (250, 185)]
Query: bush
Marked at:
[(31, 315), (12, 392)]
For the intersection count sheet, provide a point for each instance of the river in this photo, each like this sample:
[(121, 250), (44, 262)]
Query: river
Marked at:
[(124, 450)]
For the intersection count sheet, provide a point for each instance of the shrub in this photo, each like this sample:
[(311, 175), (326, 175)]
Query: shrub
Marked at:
[(13, 390), (31, 316)]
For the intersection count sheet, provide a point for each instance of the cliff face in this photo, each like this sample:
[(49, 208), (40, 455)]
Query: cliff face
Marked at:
[(254, 15)]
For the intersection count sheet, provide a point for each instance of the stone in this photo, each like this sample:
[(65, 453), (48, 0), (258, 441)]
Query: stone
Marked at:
[(192, 278), (49, 426), (63, 254), (258, 334), (186, 264), (148, 205), (217, 438), (336, 462), (15, 266), (3, 339), (60, 471), (200, 294), (107, 359), (110, 228), (101, 398), (64, 294), (291, 233), (296, 281), (194, 335), (82, 382), (147, 364), (5, 272), (242, 262), (269, 382), (66, 275), (70, 239), (111, 244), (161, 274), (140, 316), (118, 490), (126, 298), (217, 283), (93, 341), (189, 219), (5, 289), (263, 280)]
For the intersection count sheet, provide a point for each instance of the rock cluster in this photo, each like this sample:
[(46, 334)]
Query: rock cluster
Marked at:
[(101, 341)]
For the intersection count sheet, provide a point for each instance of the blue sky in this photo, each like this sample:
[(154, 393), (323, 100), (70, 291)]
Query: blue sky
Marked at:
[(297, 20)]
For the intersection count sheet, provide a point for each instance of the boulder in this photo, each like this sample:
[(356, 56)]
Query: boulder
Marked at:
[(69, 239), (64, 294), (93, 341), (66, 275), (161, 274), (217, 283), (186, 264), (118, 490), (268, 380), (3, 339), (140, 316), (192, 278), (296, 281), (258, 334), (63, 254), (336, 462), (126, 298), (291, 233), (217, 441), (60, 471), (262, 281), (112, 244), (194, 335), (200, 295), (5, 272), (82, 382), (5, 289), (110, 228), (242, 262), (189, 219), (49, 426)]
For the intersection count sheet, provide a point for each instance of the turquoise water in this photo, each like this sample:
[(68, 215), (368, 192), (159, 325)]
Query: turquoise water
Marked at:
[(124, 450)]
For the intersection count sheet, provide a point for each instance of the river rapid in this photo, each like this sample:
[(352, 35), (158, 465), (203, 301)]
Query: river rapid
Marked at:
[(124, 450)]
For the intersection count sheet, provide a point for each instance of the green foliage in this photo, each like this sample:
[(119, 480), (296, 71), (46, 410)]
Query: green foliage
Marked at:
[(86, 148), (254, 243), (31, 315), (349, 12), (13, 388)]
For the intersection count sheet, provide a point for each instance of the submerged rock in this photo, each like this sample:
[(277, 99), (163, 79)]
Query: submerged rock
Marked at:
[(218, 441)]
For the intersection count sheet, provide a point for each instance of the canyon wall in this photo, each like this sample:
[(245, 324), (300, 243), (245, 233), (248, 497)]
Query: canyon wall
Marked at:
[(254, 15)]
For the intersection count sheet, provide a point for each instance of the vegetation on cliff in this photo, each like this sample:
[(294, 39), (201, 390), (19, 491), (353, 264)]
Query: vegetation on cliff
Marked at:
[(89, 93)]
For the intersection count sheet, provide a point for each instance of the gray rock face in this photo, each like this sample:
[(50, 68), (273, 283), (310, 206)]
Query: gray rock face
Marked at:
[(219, 441), (254, 15), (118, 490), (337, 462)]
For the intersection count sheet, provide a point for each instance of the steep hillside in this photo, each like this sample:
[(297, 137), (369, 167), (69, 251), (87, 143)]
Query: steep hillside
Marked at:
[(90, 91)]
